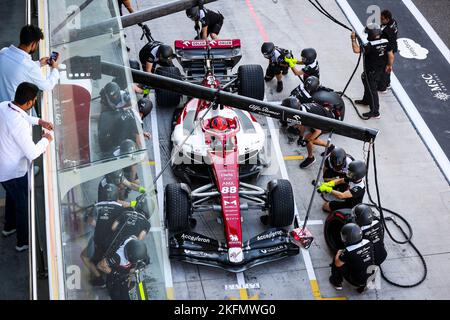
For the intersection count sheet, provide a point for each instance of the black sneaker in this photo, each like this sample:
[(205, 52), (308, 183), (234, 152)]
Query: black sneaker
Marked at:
[(372, 115), (267, 79), (307, 162), (330, 149), (279, 86), (337, 286), (98, 282), (21, 247), (7, 233), (362, 102)]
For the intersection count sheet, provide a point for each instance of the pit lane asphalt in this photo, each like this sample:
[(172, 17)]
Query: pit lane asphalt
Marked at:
[(402, 159)]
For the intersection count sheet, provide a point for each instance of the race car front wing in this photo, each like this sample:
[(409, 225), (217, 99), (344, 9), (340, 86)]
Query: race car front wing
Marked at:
[(271, 245)]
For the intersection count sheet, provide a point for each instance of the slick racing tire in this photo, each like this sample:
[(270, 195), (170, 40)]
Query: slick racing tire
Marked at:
[(251, 81), (280, 203), (333, 226), (177, 207), (166, 98)]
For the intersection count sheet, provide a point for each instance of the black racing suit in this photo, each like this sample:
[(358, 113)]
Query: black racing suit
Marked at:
[(330, 172), (375, 62), (357, 260), (277, 65), (212, 20), (131, 224), (105, 213), (115, 126), (150, 53), (390, 32), (357, 189), (375, 233)]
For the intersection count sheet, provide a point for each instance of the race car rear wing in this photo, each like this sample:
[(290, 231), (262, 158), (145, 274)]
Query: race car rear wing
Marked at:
[(248, 104), (224, 54)]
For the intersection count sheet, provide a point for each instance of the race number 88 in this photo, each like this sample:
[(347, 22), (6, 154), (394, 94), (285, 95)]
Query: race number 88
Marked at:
[(228, 190)]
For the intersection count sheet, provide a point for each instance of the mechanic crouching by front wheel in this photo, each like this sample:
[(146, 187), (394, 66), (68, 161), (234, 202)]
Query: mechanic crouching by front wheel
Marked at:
[(355, 261), (355, 188), (378, 60), (277, 65)]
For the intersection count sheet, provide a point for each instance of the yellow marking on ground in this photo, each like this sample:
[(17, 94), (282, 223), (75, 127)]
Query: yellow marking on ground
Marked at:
[(316, 292), (152, 163), (243, 295), (169, 292), (287, 158)]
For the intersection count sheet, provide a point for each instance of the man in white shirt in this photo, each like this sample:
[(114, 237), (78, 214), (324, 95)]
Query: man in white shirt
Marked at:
[(17, 150), (17, 66)]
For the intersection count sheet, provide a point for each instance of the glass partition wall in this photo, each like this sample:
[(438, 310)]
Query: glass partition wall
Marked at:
[(104, 189)]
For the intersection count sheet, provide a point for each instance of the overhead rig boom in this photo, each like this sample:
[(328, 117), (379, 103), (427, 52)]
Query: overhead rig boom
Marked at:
[(248, 104)]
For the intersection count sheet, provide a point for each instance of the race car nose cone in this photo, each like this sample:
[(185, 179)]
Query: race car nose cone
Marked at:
[(235, 255)]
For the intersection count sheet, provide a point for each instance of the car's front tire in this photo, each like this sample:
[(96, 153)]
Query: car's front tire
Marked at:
[(281, 205), (177, 207)]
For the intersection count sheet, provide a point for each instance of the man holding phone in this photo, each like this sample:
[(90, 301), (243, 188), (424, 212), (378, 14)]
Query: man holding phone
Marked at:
[(17, 65)]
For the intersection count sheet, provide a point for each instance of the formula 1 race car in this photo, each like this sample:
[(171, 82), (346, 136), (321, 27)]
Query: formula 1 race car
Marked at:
[(221, 141), (210, 64)]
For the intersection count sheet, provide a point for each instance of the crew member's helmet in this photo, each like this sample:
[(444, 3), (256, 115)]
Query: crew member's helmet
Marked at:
[(135, 251), (267, 49), (112, 94), (351, 234), (145, 106), (373, 31), (115, 177), (111, 192), (127, 146), (293, 103), (363, 214), (338, 159), (356, 170), (309, 55), (219, 123), (193, 13), (312, 84), (165, 54)]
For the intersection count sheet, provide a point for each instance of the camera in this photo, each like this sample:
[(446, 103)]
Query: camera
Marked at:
[(53, 57)]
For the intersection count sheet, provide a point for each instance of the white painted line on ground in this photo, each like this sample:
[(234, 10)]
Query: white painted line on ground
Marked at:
[(160, 194), (284, 175), (428, 29), (406, 103)]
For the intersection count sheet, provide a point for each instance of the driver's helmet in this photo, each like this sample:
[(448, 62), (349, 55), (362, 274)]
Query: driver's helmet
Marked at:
[(219, 123)]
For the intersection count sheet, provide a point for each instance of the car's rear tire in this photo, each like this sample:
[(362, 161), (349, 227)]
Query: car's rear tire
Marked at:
[(251, 81), (166, 98), (280, 203), (177, 207), (332, 228)]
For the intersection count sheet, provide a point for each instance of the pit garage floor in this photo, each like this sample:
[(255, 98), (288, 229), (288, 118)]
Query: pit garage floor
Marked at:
[(410, 181)]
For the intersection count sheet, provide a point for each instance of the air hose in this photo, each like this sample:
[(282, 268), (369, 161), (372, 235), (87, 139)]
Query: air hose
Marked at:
[(377, 205)]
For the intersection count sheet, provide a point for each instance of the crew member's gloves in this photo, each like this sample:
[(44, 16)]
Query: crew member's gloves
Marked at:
[(330, 183), (291, 61), (146, 90), (133, 203), (324, 188), (142, 190)]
